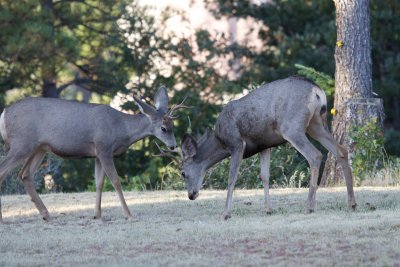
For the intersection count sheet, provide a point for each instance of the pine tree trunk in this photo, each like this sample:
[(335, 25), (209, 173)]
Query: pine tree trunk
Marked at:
[(353, 79), (49, 74), (49, 87)]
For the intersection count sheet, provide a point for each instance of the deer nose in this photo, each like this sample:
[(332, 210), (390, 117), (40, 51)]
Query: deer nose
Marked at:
[(193, 195), (172, 147)]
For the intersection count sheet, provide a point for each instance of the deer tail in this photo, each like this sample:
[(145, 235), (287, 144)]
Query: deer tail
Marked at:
[(3, 131)]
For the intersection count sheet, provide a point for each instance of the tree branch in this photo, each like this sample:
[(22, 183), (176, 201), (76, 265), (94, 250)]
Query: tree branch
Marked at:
[(76, 81)]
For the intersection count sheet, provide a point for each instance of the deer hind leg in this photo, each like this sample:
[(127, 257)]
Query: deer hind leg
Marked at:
[(265, 158), (27, 176), (236, 158), (109, 168), (12, 160), (99, 176), (299, 140), (319, 133)]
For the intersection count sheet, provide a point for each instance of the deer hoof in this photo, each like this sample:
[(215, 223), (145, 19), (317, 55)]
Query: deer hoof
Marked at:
[(269, 212), (354, 206), (309, 211), (225, 217)]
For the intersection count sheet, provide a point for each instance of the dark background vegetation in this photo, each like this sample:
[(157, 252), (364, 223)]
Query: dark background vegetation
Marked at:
[(50, 48)]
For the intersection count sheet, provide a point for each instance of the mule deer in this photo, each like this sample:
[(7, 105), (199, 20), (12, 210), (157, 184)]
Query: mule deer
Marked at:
[(278, 112), (34, 126)]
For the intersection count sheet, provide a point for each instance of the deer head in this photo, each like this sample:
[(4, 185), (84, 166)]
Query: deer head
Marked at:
[(161, 118)]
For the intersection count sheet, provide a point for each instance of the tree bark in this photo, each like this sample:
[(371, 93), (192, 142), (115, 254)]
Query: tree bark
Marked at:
[(48, 69), (354, 102)]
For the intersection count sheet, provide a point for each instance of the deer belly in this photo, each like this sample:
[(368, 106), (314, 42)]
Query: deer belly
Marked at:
[(256, 146), (120, 151), (70, 152)]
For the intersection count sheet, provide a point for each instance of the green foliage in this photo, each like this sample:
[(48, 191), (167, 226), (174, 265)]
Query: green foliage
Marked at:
[(48, 45), (76, 174), (100, 45), (369, 155)]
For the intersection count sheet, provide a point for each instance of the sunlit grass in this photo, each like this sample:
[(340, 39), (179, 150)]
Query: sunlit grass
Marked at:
[(174, 231)]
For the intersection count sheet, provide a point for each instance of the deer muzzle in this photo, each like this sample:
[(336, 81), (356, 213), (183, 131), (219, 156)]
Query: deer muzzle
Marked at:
[(193, 195)]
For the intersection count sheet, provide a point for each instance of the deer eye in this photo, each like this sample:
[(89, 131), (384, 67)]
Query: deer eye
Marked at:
[(183, 174), (163, 129)]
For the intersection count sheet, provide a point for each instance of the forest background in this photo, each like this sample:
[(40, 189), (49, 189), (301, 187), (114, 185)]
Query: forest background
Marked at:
[(104, 51)]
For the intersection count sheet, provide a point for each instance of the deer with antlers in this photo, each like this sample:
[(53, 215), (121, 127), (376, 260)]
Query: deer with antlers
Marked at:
[(34, 126)]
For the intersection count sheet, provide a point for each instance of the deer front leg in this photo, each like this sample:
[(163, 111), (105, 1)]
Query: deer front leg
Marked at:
[(265, 158), (236, 158), (99, 179), (109, 168)]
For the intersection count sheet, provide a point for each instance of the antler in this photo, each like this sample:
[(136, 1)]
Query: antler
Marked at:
[(170, 113), (166, 154)]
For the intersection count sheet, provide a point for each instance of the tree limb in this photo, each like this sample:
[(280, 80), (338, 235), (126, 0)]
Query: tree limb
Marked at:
[(76, 81)]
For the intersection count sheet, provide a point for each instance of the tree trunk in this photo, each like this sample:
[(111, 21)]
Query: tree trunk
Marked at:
[(49, 88), (49, 74), (353, 103)]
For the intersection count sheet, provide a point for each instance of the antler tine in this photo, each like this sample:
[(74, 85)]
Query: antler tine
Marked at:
[(174, 108), (164, 153)]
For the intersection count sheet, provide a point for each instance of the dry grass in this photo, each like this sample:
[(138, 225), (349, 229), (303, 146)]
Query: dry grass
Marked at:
[(173, 231)]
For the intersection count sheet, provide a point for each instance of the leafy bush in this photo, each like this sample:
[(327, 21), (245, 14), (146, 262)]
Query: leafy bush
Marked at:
[(369, 153)]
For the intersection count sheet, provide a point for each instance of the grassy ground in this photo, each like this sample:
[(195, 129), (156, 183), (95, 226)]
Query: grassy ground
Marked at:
[(173, 231)]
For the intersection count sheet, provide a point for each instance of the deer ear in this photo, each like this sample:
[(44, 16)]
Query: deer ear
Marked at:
[(189, 146), (145, 108), (161, 99)]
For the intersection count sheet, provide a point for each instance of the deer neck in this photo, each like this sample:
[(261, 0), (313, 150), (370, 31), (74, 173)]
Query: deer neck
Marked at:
[(210, 152), (138, 127)]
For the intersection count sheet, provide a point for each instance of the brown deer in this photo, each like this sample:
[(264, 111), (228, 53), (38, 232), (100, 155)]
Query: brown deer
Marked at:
[(278, 112), (34, 126)]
